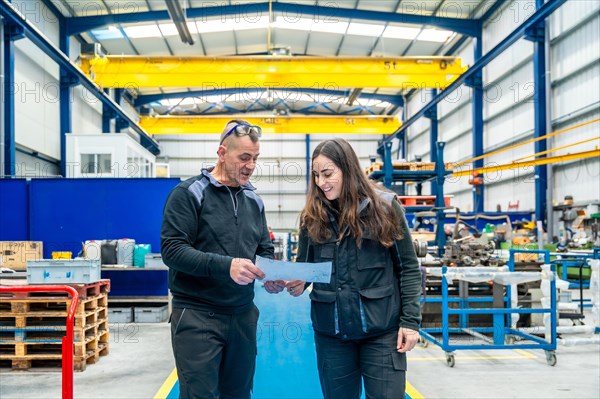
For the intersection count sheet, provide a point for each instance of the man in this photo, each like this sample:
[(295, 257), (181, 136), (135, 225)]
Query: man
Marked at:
[(213, 227)]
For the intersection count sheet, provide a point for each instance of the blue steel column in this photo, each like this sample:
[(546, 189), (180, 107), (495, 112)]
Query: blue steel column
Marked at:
[(403, 145), (402, 154), (120, 123), (537, 34), (107, 115), (388, 168), (8, 97), (308, 163), (66, 98), (440, 235), (476, 84), (432, 115)]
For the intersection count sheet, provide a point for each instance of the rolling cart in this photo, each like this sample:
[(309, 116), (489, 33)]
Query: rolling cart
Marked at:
[(502, 334)]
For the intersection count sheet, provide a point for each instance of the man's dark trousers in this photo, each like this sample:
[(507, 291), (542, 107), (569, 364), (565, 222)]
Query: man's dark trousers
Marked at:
[(215, 353)]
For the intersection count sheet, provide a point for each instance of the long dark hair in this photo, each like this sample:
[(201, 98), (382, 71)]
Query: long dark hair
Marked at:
[(379, 220)]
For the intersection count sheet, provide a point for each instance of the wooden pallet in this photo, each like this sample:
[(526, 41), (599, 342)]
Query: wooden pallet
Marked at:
[(37, 362), (84, 291), (49, 333), (32, 328), (12, 349), (52, 317), (50, 304), (412, 166), (378, 166)]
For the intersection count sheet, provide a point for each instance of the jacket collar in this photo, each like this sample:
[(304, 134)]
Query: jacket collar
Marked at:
[(215, 182)]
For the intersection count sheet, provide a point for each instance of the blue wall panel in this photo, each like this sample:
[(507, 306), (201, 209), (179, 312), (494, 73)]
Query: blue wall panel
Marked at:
[(13, 210), (66, 212), (137, 282)]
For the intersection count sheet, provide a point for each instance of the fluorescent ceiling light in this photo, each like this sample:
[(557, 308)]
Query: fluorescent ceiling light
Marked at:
[(365, 29), (401, 32), (435, 35)]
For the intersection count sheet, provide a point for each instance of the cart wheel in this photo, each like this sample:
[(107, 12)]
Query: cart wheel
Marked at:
[(510, 340), (450, 359), (424, 342), (551, 358)]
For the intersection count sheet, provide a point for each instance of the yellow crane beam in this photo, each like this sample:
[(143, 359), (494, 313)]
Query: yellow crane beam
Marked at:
[(534, 162), (273, 125), (273, 72)]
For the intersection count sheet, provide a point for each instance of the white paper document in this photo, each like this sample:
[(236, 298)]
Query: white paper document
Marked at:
[(282, 270)]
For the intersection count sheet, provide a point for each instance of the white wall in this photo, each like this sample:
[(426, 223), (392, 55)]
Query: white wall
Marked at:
[(37, 115)]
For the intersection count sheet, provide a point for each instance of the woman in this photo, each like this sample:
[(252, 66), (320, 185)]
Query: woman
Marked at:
[(368, 316)]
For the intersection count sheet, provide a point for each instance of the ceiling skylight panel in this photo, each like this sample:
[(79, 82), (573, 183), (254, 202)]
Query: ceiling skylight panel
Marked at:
[(400, 32), (168, 29), (329, 27), (303, 24), (435, 35), (251, 23), (214, 25), (365, 29), (137, 32), (107, 34)]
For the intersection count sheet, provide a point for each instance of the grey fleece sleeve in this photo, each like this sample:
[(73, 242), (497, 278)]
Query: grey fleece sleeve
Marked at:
[(178, 235), (409, 274)]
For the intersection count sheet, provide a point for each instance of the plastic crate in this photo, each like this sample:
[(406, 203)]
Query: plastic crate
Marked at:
[(62, 271), (120, 315), (152, 314)]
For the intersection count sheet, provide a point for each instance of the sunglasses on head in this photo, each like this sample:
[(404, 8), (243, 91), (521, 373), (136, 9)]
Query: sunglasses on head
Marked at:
[(242, 129)]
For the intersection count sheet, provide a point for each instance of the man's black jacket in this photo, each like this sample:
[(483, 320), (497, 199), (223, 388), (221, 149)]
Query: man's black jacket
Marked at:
[(206, 225)]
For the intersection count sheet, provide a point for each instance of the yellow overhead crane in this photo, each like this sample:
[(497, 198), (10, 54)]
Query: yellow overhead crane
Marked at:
[(273, 125), (273, 72)]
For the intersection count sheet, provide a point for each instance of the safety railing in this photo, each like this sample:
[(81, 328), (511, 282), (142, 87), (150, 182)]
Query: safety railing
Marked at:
[(67, 341)]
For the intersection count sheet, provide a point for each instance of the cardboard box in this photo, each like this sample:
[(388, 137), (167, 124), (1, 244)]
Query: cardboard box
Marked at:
[(15, 254)]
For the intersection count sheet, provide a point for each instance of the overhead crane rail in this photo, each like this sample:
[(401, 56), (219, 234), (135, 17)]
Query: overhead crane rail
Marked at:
[(273, 71), (274, 125)]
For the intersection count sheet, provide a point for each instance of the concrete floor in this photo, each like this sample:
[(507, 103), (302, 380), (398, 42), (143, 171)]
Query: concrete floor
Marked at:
[(140, 361)]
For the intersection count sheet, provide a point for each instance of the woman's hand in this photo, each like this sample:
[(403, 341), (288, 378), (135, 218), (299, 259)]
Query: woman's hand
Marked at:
[(295, 287), (407, 339), (274, 286)]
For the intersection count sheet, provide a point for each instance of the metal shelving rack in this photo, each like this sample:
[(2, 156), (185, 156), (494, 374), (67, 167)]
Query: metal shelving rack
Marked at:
[(437, 176)]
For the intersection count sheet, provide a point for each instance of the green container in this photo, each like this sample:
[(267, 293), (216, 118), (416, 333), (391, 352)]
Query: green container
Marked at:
[(139, 254), (573, 272)]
